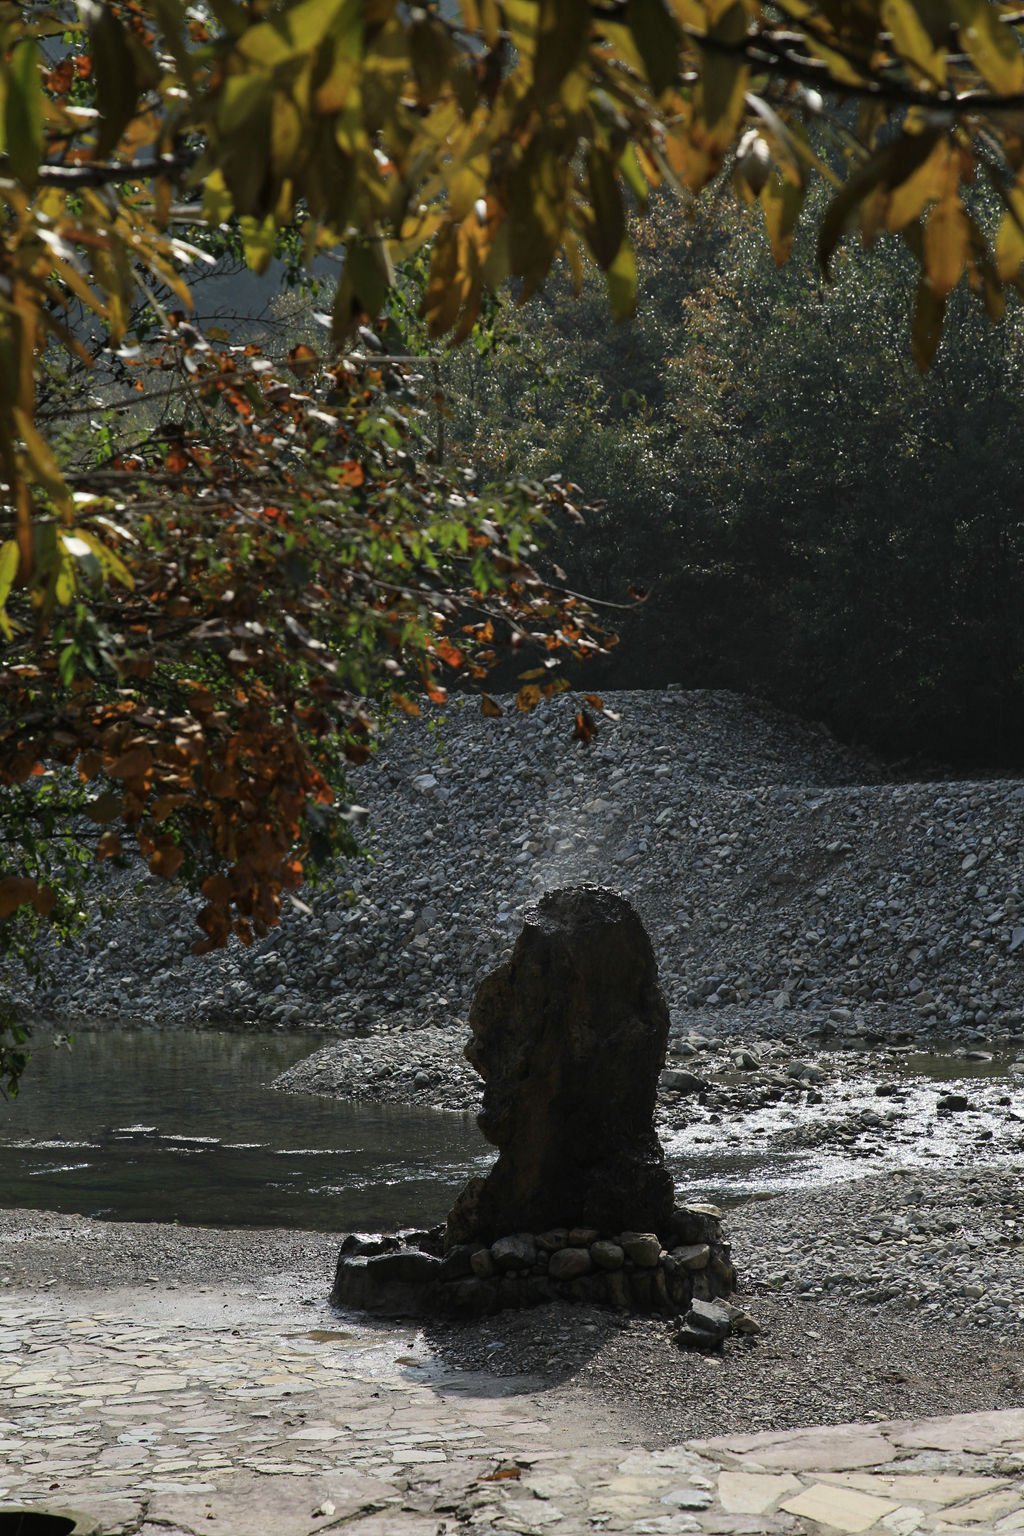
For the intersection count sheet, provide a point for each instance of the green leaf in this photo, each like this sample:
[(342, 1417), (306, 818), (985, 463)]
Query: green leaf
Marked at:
[(657, 40), (23, 113)]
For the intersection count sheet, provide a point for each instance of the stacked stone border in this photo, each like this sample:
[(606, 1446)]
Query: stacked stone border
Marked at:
[(413, 1273)]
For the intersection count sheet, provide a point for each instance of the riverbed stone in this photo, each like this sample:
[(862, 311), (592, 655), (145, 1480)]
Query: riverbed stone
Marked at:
[(691, 1256), (607, 1255), (482, 1263), (569, 1037), (644, 1248), (403, 1284), (512, 1253), (582, 1237), (567, 1263)]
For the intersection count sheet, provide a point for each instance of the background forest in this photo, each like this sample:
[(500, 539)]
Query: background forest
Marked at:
[(814, 520)]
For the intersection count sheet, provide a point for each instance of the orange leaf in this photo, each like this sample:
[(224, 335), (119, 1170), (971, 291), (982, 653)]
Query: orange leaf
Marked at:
[(528, 698), (166, 862), (350, 473), (217, 888), (16, 892), (108, 845), (593, 699), (45, 900), (302, 360), (405, 704), (585, 728), (449, 654), (490, 706), (165, 805), (132, 765)]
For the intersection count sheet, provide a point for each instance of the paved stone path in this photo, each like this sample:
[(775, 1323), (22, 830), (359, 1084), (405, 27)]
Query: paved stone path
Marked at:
[(167, 1411)]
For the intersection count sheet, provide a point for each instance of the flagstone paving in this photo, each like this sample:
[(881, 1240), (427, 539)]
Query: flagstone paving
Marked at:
[(168, 1412)]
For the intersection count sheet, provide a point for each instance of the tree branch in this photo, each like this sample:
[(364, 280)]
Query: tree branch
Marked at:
[(99, 173)]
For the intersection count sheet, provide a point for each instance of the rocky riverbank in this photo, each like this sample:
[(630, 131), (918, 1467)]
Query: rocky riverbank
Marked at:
[(789, 887)]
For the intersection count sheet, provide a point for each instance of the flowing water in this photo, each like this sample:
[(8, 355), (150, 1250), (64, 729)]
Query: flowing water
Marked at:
[(182, 1126), (185, 1127)]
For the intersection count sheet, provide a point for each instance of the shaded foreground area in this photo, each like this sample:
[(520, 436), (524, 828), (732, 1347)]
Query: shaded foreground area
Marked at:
[(200, 1393), (820, 1358)]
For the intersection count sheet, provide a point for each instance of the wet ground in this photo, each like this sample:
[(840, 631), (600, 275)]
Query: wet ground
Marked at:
[(785, 1123)]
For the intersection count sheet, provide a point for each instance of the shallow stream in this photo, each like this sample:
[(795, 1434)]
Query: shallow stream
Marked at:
[(184, 1126)]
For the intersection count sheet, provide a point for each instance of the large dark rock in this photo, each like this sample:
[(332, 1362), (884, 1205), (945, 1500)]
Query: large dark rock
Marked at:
[(399, 1284), (569, 1037)]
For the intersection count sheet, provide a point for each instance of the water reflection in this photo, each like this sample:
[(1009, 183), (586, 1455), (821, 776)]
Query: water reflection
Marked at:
[(184, 1127)]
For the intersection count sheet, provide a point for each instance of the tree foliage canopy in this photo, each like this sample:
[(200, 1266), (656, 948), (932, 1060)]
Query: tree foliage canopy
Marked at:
[(193, 616)]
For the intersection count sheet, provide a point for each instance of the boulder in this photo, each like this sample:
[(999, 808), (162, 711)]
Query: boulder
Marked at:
[(569, 1037), (403, 1284)]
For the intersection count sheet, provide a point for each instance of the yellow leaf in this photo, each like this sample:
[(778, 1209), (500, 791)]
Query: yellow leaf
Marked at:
[(259, 237), (992, 46), (947, 240), (621, 282), (42, 463), (1009, 249), (112, 564), (217, 204), (8, 569), (781, 200), (912, 38), (23, 112), (925, 184)]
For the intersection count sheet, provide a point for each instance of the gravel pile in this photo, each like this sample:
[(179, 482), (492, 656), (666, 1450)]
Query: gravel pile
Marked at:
[(786, 884)]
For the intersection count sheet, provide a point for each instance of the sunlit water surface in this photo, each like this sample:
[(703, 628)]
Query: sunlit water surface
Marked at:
[(182, 1126)]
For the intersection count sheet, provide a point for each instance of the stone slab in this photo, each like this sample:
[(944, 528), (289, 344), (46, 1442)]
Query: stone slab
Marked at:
[(831, 1448), (841, 1509), (752, 1493), (940, 1488)]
